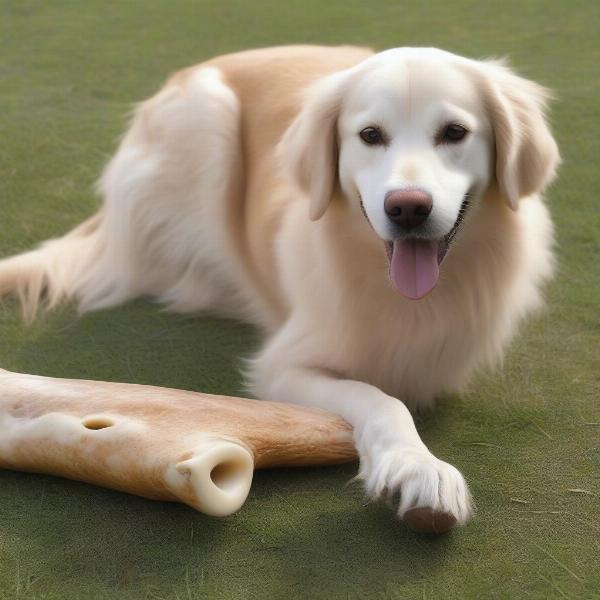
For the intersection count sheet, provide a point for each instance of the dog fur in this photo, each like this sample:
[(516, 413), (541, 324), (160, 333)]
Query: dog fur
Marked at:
[(242, 188)]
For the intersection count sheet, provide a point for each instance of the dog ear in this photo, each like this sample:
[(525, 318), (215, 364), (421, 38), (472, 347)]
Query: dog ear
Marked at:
[(526, 153), (309, 147)]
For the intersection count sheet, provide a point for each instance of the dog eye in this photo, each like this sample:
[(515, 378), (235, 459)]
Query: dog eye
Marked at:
[(373, 136), (452, 134)]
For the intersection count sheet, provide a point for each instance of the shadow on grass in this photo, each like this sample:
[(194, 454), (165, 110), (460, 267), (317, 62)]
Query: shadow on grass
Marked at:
[(296, 522), (136, 343)]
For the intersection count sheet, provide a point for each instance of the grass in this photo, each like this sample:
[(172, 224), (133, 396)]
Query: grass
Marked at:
[(527, 438)]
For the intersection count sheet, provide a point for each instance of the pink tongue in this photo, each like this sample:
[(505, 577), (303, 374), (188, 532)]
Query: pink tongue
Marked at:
[(414, 267)]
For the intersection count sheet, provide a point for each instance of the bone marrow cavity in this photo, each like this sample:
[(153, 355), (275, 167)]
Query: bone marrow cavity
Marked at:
[(229, 475)]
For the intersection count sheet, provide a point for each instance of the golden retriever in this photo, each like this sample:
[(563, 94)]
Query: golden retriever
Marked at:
[(376, 215)]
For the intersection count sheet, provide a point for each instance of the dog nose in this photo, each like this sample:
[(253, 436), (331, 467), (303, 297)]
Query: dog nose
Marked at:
[(407, 208)]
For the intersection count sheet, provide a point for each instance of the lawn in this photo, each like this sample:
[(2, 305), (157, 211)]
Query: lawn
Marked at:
[(527, 438)]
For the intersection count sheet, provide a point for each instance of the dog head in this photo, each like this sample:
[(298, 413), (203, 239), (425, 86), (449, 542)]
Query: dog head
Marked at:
[(414, 137)]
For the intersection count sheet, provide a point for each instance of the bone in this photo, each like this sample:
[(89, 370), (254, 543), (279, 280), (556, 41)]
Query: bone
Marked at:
[(159, 443)]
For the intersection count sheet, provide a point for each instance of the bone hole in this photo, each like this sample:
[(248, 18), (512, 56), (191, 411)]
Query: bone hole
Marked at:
[(97, 423), (229, 474)]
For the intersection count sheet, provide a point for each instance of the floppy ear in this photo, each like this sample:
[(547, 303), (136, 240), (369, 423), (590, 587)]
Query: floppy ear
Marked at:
[(308, 149), (526, 153)]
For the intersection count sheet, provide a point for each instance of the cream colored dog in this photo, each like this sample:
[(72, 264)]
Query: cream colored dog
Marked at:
[(426, 242)]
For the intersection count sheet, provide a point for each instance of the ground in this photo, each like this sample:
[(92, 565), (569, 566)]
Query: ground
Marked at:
[(527, 438)]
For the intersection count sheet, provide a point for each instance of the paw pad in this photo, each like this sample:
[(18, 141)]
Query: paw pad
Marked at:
[(428, 520)]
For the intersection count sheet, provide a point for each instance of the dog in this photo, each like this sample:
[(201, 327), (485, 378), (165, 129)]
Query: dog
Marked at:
[(376, 215)]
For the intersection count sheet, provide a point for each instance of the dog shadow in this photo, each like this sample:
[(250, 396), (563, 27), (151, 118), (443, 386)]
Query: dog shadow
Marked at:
[(296, 522)]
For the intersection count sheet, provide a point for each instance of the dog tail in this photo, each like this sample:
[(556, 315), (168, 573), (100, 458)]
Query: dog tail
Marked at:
[(54, 272)]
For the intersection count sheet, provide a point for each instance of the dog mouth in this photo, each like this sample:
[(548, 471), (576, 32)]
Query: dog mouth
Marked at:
[(414, 262)]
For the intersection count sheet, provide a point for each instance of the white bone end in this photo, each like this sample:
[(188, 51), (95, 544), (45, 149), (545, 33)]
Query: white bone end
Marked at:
[(220, 475)]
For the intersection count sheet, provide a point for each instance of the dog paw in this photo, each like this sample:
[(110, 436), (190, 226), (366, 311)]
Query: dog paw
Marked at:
[(430, 495)]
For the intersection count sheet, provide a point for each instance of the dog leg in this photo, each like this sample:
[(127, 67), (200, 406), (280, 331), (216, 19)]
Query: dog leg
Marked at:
[(429, 494), (160, 232)]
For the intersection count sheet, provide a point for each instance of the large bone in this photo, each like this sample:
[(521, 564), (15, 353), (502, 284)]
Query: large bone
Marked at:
[(159, 443)]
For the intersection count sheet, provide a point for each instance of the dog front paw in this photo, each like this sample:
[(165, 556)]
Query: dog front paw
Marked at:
[(431, 496)]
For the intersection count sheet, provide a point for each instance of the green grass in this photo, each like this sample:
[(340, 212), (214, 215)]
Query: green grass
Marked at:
[(69, 73)]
